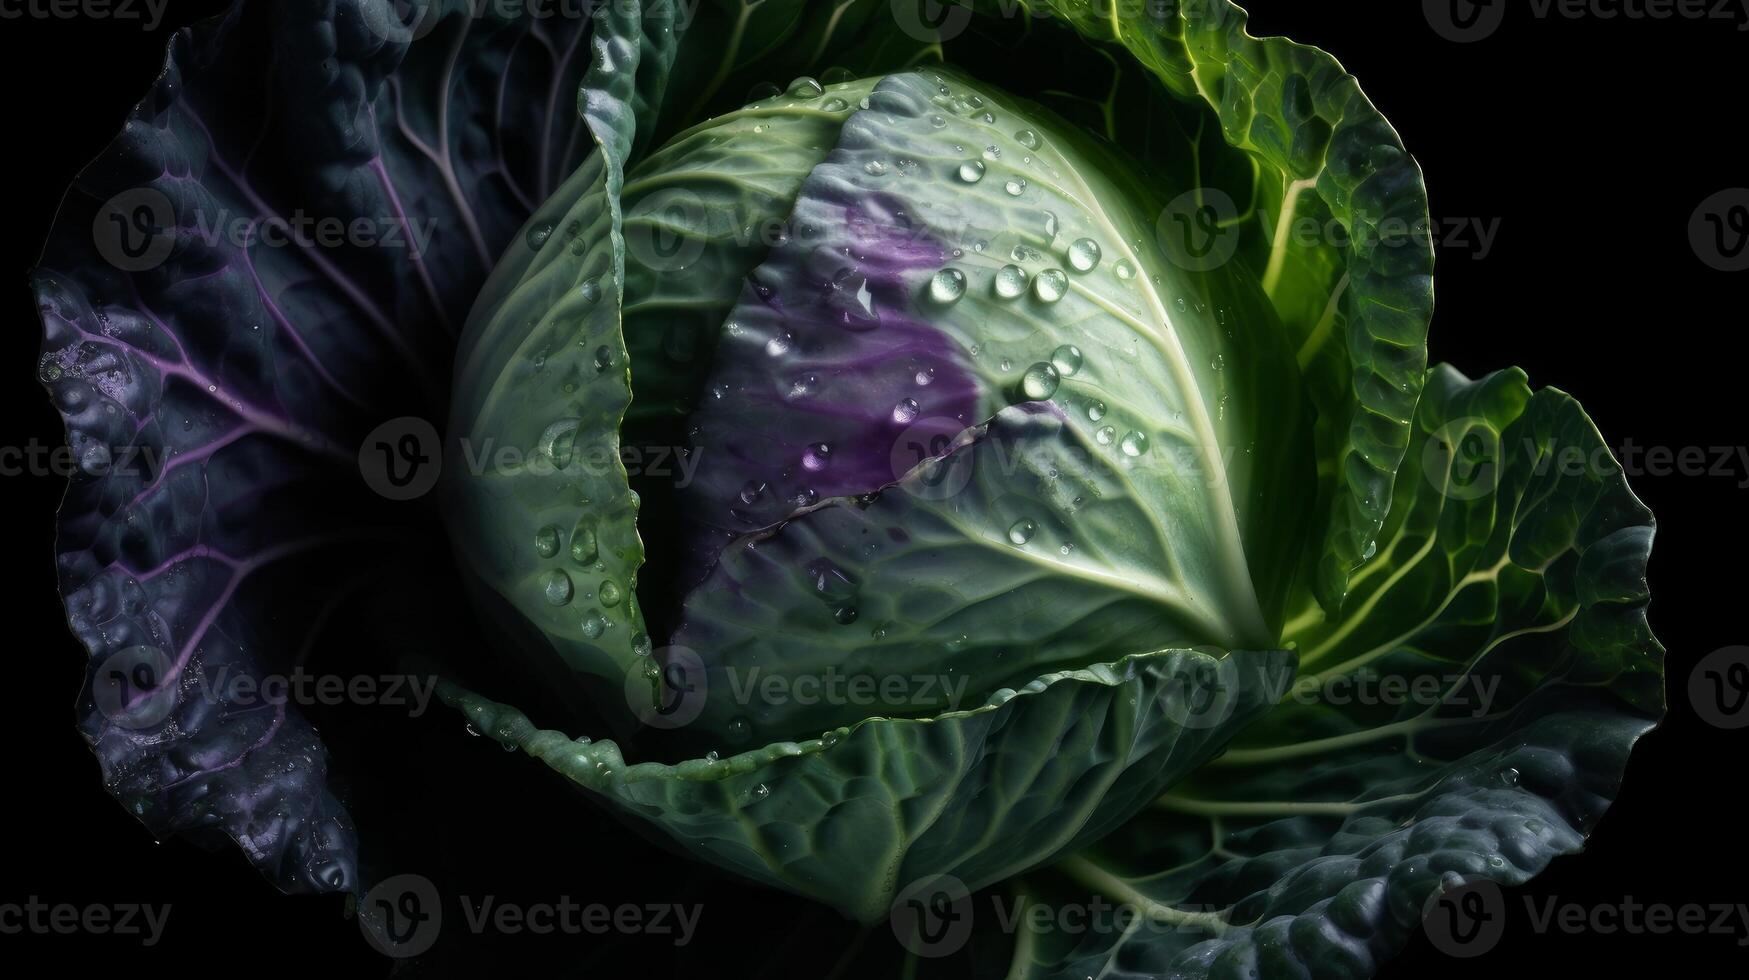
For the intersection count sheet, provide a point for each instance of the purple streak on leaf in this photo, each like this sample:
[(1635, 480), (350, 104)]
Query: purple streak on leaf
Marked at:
[(829, 380)]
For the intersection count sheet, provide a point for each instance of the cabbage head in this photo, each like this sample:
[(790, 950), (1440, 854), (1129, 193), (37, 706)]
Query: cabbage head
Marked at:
[(890, 451)]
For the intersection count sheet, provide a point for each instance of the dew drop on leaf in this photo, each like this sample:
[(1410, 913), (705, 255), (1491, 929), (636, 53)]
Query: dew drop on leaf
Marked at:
[(1050, 285), (1084, 255), (1011, 282), (947, 286), (557, 586), (1039, 382), (546, 541)]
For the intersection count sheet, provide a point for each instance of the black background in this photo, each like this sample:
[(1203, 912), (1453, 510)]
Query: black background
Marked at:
[(1590, 142)]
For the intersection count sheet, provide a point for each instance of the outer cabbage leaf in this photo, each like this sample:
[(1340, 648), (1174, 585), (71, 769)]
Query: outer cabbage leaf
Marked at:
[(1356, 294), (218, 387), (542, 512), (854, 816), (1512, 584)]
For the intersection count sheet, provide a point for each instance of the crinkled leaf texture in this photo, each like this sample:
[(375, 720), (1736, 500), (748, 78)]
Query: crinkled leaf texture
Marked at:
[(217, 384), (853, 817), (1512, 582)]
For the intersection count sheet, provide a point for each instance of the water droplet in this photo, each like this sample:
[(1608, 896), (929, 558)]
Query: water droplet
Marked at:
[(1014, 186), (780, 344), (1067, 548), (1125, 270), (844, 615), (752, 491), (594, 625), (803, 386), (1039, 382), (1011, 282), (557, 586), (1005, 364), (603, 358), (1509, 776), (609, 592), (1051, 224), (763, 91), (1096, 410), (538, 235), (925, 377), (805, 88), (905, 412), (972, 171), (992, 152), (758, 793), (938, 121), (835, 105), (583, 547), (1105, 435), (1029, 139), (1067, 360), (829, 739), (711, 757), (816, 457), (1021, 531), (1084, 255), (874, 168), (1135, 443), (546, 541), (947, 286), (1217, 362), (1050, 285)]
